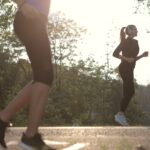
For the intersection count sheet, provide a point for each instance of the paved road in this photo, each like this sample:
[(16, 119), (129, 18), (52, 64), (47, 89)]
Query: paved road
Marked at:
[(88, 138)]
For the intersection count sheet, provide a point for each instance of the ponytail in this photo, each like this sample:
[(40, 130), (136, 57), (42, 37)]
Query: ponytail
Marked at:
[(122, 34)]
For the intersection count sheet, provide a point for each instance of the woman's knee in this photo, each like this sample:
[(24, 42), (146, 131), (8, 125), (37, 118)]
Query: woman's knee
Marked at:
[(44, 75)]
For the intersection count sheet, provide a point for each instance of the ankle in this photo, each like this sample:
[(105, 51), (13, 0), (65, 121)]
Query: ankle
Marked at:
[(29, 135)]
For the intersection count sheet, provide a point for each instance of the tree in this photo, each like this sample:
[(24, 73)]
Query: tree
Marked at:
[(64, 35)]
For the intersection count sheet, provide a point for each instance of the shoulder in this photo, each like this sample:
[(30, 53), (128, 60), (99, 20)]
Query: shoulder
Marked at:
[(122, 43), (135, 40)]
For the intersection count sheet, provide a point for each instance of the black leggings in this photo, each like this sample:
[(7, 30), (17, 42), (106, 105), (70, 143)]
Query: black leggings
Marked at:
[(33, 34), (127, 75)]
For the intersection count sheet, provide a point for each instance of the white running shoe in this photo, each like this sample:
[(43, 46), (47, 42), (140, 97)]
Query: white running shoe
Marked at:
[(121, 119)]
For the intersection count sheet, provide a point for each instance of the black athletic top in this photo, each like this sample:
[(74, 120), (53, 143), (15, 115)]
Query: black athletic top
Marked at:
[(129, 48)]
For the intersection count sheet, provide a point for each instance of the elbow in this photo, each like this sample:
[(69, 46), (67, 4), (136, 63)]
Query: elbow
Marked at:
[(114, 55)]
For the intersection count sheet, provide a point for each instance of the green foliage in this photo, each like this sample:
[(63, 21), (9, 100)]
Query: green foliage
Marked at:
[(85, 97), (142, 7)]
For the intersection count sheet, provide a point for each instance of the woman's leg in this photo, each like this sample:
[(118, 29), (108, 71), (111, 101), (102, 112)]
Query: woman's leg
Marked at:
[(22, 99), (128, 90), (33, 35), (39, 98)]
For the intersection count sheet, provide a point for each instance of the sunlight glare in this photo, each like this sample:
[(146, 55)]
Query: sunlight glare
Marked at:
[(104, 19)]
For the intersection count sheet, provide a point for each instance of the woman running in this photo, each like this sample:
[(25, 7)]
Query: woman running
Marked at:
[(127, 51)]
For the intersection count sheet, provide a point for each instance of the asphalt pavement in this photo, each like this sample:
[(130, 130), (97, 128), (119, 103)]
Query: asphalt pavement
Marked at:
[(87, 138)]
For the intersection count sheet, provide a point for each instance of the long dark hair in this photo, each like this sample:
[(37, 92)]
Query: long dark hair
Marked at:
[(122, 34)]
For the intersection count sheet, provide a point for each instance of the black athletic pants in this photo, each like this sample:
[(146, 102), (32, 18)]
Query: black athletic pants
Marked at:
[(127, 75), (33, 34)]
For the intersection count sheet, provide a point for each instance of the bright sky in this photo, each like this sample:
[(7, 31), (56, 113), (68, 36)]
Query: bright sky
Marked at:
[(104, 19)]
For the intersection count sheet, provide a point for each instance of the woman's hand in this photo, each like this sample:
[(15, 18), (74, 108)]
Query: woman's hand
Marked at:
[(145, 54), (29, 11)]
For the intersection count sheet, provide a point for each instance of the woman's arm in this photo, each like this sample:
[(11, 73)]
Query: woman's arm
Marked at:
[(117, 51), (117, 54), (145, 54)]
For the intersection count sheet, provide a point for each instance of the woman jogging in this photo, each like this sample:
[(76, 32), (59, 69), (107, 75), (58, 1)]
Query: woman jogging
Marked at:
[(30, 27), (127, 51)]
